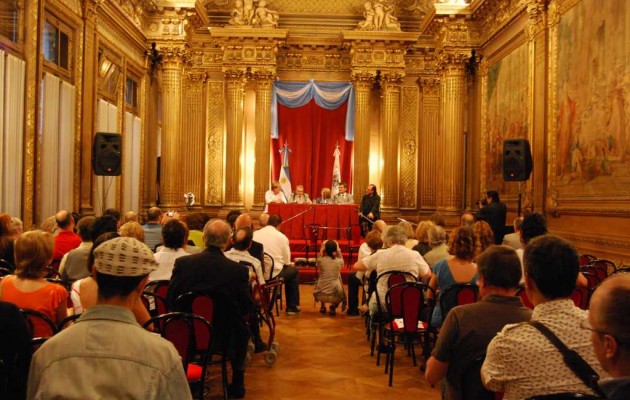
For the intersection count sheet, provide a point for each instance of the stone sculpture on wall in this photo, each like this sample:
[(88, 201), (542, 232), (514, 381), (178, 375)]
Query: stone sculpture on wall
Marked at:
[(379, 16), (253, 13)]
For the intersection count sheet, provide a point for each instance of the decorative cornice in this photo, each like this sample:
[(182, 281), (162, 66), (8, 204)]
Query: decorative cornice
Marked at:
[(537, 18)]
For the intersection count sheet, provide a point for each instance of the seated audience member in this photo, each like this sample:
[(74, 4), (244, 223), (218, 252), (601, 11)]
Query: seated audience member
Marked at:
[(74, 264), (438, 219), (49, 225), (66, 239), (133, 230), (534, 225), (116, 358), (373, 242), (102, 225), (211, 272), (484, 237), (453, 270), (520, 360), (343, 197), (242, 242), (467, 219), (299, 197), (6, 241), (277, 246), (396, 257), (232, 216), (17, 227), (28, 288), (325, 197), (84, 292), (328, 288), (514, 239), (439, 248), (15, 352), (468, 329), (609, 323), (423, 246), (130, 216), (494, 214), (411, 236), (174, 237), (274, 195), (255, 249), (263, 220), (114, 213), (195, 223), (153, 228)]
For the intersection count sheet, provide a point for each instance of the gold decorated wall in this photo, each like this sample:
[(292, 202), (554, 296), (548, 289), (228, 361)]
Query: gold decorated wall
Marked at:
[(429, 118)]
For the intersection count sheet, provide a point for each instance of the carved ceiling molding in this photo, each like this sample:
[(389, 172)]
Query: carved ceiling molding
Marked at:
[(495, 15), (124, 41), (251, 49), (166, 20)]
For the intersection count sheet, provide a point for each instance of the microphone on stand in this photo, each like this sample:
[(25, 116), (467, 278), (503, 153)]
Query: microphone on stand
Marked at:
[(404, 220), (296, 215)]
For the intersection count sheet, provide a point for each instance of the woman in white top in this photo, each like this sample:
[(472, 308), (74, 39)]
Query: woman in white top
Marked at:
[(175, 237)]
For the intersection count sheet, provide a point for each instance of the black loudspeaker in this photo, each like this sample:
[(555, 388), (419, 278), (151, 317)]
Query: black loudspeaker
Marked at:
[(517, 160), (107, 154)]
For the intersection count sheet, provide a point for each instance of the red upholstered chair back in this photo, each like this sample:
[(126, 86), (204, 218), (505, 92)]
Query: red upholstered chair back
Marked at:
[(458, 295), (159, 287), (586, 259), (581, 297), (203, 306), (40, 324)]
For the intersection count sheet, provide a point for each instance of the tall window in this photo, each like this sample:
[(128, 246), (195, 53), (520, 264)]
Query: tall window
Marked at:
[(57, 45), (9, 20), (131, 93)]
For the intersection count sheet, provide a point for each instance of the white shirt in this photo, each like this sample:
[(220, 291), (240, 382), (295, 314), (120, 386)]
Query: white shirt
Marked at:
[(166, 258), (522, 363), (271, 197), (395, 258), (276, 245), (243, 255)]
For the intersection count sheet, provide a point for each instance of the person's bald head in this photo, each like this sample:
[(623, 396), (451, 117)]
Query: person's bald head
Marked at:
[(467, 219), (154, 214), (263, 220), (243, 238), (130, 216), (217, 234), (243, 220), (64, 220), (609, 319)]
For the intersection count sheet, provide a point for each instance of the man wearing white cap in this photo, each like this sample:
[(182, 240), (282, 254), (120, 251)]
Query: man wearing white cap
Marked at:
[(106, 354)]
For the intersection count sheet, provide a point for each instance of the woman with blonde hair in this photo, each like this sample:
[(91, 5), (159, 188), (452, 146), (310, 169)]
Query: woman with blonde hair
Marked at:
[(459, 268), (411, 236), (326, 197), (28, 289), (133, 230), (422, 236)]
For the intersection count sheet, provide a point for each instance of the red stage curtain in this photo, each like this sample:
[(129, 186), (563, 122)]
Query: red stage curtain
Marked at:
[(312, 134)]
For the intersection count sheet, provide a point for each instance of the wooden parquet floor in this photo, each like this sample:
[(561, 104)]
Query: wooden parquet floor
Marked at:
[(325, 357)]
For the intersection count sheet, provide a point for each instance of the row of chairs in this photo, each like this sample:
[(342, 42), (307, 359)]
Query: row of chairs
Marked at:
[(315, 234)]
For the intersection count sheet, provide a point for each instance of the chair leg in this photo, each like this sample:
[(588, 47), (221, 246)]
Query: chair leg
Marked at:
[(391, 367), (224, 376)]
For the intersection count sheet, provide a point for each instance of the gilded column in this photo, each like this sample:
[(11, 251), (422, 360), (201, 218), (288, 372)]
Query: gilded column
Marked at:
[(235, 94), (193, 132), (171, 188), (390, 108), (452, 109), (429, 136), (263, 87), (362, 87), (31, 16), (408, 186)]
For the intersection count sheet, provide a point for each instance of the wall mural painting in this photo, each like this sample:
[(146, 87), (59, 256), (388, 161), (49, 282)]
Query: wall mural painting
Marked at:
[(507, 113), (593, 103)]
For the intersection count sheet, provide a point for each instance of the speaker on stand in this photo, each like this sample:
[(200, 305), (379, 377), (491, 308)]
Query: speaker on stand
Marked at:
[(107, 154), (517, 163)]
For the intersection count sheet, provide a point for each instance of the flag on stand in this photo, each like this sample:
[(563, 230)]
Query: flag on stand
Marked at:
[(285, 175), (336, 178)]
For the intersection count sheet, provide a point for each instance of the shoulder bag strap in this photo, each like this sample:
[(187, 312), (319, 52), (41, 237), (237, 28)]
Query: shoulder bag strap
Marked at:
[(572, 359)]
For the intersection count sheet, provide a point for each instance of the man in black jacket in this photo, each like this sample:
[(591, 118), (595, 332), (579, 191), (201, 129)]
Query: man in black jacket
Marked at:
[(494, 214), (227, 282), (370, 209)]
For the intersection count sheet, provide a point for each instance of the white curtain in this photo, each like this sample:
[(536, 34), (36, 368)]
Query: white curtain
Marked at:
[(131, 165), (57, 141), (50, 145), (106, 186), (12, 80), (66, 147)]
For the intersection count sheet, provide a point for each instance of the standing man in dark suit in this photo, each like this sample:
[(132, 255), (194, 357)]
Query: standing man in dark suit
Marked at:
[(494, 214), (227, 282), (370, 209)]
